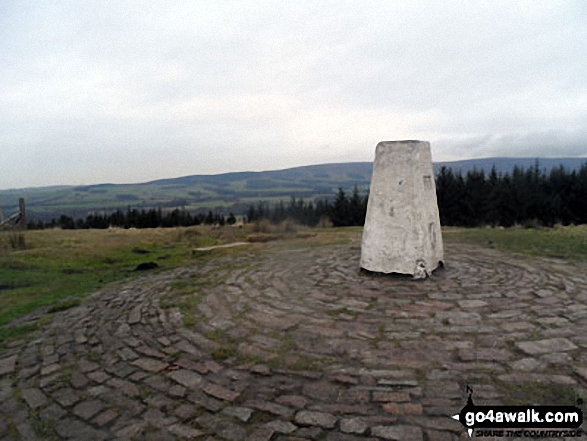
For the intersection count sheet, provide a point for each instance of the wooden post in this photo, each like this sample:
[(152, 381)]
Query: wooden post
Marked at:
[(22, 213)]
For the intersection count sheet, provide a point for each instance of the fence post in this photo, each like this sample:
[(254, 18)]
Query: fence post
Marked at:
[(22, 213)]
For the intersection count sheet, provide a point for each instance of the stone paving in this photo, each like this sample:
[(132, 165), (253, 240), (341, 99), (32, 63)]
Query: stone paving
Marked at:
[(293, 343)]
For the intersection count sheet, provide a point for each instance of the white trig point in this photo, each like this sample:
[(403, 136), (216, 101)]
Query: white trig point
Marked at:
[(402, 228)]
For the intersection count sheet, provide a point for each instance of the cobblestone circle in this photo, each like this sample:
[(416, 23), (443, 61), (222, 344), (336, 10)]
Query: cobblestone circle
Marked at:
[(294, 343)]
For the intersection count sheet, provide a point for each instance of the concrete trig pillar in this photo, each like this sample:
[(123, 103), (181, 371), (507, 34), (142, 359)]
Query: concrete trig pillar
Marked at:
[(402, 228)]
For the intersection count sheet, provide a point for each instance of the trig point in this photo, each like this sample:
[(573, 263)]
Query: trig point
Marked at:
[(402, 228)]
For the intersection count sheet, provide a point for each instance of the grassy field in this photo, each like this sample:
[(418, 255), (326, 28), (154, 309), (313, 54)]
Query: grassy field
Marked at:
[(562, 242), (57, 268)]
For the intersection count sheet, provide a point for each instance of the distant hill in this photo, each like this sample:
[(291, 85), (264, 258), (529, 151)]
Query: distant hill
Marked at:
[(230, 191)]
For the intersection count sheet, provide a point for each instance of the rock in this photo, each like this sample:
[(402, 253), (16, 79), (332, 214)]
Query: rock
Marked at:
[(220, 392), (402, 227), (185, 432), (186, 378), (398, 433), (149, 364), (353, 425), (7, 365), (546, 346), (279, 426), (34, 397), (320, 419), (242, 413)]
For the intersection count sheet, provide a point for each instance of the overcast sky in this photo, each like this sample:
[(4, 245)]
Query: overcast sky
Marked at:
[(125, 91)]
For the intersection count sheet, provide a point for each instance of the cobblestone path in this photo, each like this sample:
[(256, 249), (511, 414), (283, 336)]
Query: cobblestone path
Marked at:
[(293, 343)]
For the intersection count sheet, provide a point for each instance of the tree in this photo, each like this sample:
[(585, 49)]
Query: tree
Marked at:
[(340, 212)]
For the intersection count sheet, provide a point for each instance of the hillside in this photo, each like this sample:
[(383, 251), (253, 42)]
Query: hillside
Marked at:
[(229, 191)]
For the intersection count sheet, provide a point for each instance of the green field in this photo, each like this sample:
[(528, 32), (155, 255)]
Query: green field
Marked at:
[(57, 268), (559, 242)]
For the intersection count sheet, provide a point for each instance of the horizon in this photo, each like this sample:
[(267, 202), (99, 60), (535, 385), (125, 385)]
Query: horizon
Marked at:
[(282, 169)]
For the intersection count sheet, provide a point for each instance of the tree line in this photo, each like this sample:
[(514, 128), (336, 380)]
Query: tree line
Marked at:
[(530, 197), (133, 218), (343, 211)]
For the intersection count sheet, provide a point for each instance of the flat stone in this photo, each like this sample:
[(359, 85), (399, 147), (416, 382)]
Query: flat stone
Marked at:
[(557, 358), (164, 341), (149, 364), (87, 409), (34, 397), (398, 433), (403, 408), (121, 370), (132, 431), (297, 401), (582, 373), (389, 396), (78, 380), (527, 364), (242, 413), (223, 428), (353, 425), (134, 316), (261, 434), (261, 369), (200, 399), (546, 346), (177, 391), (75, 429), (466, 304), (184, 431), (127, 354), (320, 419), (7, 365), (50, 369), (186, 378), (185, 411), (149, 352), (96, 391), (284, 427), (220, 392), (66, 397), (543, 293), (266, 406), (126, 387), (105, 417), (53, 412), (88, 366), (98, 376)]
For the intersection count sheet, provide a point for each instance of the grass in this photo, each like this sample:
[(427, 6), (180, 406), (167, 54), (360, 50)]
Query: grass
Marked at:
[(58, 267), (568, 243), (16, 332)]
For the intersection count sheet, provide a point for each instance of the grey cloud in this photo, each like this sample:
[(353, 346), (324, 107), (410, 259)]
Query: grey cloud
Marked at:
[(207, 86)]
